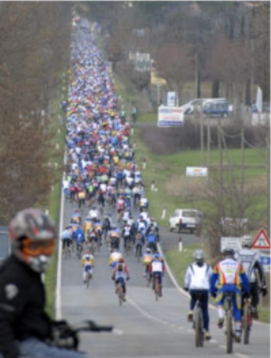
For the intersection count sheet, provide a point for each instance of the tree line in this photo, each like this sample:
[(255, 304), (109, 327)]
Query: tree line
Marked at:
[(34, 49)]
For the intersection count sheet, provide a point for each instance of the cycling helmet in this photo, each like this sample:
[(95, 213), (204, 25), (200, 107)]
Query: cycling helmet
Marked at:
[(198, 255), (148, 251), (246, 241), (157, 256), (32, 234), (228, 252)]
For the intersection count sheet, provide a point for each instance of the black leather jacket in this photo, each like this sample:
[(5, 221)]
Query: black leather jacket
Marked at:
[(22, 302)]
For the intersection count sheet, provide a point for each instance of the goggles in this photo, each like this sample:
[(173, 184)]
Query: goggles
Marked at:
[(38, 247)]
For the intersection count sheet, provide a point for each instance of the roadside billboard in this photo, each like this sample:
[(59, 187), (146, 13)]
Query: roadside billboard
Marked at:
[(196, 172), (170, 116), (230, 242), (171, 99)]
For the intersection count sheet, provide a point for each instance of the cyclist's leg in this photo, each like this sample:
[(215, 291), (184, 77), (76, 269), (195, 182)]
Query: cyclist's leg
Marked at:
[(205, 312), (34, 348), (220, 307), (237, 312), (254, 294)]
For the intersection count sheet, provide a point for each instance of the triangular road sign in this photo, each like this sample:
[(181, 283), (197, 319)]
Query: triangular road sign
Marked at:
[(261, 241)]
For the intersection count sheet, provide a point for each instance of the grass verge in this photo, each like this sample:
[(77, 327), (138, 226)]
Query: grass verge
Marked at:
[(54, 201)]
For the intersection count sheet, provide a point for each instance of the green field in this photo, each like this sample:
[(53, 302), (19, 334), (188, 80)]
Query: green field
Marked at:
[(175, 190)]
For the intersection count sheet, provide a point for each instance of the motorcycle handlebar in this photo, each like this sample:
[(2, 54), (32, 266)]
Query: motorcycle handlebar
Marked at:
[(91, 326)]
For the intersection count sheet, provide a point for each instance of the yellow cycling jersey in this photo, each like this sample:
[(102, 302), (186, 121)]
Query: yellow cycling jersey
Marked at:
[(147, 259), (86, 259), (82, 195), (114, 257)]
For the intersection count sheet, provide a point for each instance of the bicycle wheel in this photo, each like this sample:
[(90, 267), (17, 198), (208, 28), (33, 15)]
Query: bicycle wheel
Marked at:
[(120, 293), (229, 331), (138, 253), (88, 278), (156, 289), (198, 328), (246, 323)]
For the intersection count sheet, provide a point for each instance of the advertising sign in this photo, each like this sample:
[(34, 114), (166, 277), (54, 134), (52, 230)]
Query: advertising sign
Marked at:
[(170, 116), (230, 242), (265, 261), (171, 99), (196, 172)]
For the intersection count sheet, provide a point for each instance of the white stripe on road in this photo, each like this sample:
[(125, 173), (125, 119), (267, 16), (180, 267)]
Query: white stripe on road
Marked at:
[(59, 256)]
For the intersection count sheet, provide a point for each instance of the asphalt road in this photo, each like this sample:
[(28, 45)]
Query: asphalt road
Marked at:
[(143, 327)]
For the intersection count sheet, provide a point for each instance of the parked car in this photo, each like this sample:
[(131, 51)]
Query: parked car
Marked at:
[(185, 219), (216, 108), (265, 108), (189, 106)]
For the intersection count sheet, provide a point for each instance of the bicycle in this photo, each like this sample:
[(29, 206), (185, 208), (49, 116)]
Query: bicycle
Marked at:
[(198, 323), (119, 291), (128, 246), (157, 288), (138, 252), (88, 277), (79, 250), (228, 315), (246, 320)]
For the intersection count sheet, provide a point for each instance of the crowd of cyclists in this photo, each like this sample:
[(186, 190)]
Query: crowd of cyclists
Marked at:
[(103, 182)]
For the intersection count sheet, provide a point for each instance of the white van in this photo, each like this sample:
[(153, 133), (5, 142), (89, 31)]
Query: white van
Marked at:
[(190, 219)]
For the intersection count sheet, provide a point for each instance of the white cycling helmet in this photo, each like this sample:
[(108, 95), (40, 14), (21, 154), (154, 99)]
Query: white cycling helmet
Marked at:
[(246, 241)]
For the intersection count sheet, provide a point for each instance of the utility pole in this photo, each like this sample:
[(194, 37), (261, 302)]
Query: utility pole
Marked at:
[(196, 74), (201, 137), (208, 142), (242, 168), (220, 165), (268, 181)]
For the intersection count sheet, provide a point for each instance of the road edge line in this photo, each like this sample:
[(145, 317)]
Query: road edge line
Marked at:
[(59, 256)]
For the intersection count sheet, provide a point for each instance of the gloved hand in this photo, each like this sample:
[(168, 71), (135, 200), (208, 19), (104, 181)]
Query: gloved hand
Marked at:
[(112, 278), (186, 289), (264, 290), (213, 294), (128, 278), (246, 294), (63, 336)]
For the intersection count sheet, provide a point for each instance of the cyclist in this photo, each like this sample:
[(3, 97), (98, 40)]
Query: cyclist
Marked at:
[(114, 258), (157, 268), (87, 264), (151, 241), (197, 282), (121, 274), (147, 259), (229, 276), (66, 238), (24, 323), (139, 242), (79, 237), (126, 234), (76, 217), (143, 203), (252, 266), (114, 237)]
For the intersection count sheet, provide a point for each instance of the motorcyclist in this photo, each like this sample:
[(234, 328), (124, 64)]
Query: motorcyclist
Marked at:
[(25, 327)]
